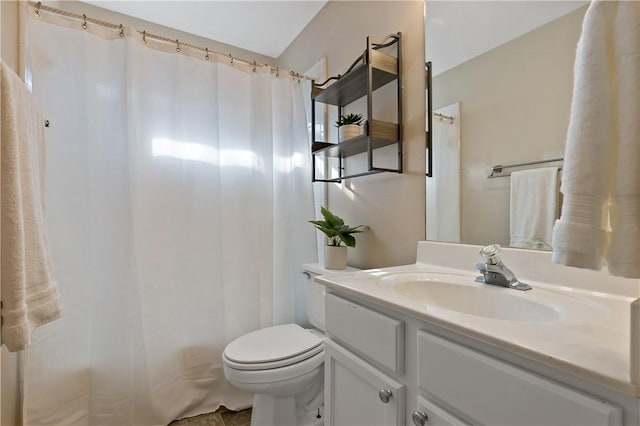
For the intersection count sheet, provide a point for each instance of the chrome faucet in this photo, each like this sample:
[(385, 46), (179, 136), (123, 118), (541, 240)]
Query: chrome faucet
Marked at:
[(495, 273)]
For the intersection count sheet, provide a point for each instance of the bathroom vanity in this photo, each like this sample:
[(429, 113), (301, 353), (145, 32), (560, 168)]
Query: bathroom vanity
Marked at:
[(424, 344)]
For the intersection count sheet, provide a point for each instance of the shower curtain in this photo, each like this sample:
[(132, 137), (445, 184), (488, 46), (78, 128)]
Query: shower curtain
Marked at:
[(443, 188), (179, 190)]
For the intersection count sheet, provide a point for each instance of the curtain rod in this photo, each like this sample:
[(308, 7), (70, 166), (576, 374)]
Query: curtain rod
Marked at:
[(444, 117), (85, 19)]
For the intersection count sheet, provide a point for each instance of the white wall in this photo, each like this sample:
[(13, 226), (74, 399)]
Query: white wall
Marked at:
[(515, 103), (391, 204)]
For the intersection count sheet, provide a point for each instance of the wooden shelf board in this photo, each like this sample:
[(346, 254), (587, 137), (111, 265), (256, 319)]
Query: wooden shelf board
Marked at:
[(353, 146), (383, 134), (352, 86)]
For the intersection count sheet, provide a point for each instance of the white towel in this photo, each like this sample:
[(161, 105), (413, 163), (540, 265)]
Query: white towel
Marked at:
[(602, 156), (534, 207), (623, 258), (29, 292)]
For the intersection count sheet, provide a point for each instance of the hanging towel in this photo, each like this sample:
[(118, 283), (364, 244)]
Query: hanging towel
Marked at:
[(534, 207), (29, 292), (601, 182), (623, 258)]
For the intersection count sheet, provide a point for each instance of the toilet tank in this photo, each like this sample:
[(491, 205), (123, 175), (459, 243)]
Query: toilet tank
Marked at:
[(315, 293)]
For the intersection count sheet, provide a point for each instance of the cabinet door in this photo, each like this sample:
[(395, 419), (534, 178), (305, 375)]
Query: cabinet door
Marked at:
[(493, 392), (354, 392), (436, 416), (372, 335)]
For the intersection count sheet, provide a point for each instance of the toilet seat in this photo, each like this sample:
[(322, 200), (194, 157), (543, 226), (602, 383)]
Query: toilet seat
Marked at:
[(274, 364), (272, 347), (273, 376)]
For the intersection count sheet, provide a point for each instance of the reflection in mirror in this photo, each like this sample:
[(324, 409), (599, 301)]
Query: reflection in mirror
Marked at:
[(443, 187), (508, 66)]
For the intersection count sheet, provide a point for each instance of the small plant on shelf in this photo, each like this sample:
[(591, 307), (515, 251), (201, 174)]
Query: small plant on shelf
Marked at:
[(349, 126), (349, 119)]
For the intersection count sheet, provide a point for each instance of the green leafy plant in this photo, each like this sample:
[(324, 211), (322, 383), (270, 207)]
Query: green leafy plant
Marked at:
[(349, 119), (334, 228)]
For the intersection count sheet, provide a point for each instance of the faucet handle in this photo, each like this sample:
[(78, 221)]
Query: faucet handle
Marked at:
[(481, 267), (491, 253)]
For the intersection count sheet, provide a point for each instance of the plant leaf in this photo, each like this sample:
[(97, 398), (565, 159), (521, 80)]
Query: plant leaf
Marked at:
[(349, 240), (322, 223), (331, 218), (351, 230)]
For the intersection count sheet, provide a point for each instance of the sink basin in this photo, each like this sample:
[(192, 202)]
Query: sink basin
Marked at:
[(437, 290)]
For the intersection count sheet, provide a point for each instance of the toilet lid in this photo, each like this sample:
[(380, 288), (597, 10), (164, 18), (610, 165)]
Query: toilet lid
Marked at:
[(272, 344)]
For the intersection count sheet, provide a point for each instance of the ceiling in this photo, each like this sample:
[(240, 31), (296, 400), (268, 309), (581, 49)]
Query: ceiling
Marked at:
[(265, 27), (457, 31)]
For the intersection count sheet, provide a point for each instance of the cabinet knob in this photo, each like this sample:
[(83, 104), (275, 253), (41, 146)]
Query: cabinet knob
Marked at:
[(385, 395), (419, 418)]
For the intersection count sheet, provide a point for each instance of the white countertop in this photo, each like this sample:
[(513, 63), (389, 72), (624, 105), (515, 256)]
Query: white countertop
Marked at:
[(590, 338)]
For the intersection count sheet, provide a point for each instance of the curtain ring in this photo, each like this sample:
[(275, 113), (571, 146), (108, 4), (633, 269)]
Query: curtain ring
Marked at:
[(38, 9), (121, 34), (277, 72), (177, 46), (84, 21), (144, 36), (207, 55), (254, 66), (231, 57)]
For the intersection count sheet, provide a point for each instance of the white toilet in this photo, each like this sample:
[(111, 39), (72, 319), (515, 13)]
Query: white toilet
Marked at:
[(283, 365)]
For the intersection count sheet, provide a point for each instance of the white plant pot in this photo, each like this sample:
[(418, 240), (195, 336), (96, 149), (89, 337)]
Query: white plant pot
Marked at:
[(335, 257), (348, 131)]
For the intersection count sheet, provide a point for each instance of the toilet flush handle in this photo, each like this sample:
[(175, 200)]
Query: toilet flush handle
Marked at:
[(306, 274)]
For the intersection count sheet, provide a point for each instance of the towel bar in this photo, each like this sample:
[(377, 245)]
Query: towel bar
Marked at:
[(496, 171)]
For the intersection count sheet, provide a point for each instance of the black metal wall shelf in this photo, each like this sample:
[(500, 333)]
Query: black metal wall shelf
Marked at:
[(369, 72), (382, 134), (353, 85)]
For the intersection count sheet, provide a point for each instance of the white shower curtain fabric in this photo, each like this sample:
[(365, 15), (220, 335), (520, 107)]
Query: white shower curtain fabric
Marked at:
[(179, 190)]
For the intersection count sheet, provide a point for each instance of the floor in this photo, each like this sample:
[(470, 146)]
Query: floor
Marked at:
[(222, 417)]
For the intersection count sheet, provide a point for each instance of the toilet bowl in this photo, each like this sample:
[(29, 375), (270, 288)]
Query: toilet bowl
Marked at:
[(283, 365)]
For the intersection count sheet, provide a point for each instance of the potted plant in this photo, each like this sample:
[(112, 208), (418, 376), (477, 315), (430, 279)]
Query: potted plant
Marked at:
[(335, 254), (349, 126)]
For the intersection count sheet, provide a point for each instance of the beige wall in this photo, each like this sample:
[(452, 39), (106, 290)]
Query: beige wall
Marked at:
[(391, 204), (9, 29), (515, 103)]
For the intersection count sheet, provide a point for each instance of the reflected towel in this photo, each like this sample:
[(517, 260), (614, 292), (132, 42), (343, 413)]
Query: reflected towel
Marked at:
[(29, 292), (534, 207), (601, 182)]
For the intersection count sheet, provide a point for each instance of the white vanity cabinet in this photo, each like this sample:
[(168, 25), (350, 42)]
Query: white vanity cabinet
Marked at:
[(433, 379)]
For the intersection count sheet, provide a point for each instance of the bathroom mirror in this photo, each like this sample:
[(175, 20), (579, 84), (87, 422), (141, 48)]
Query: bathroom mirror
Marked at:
[(502, 85)]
